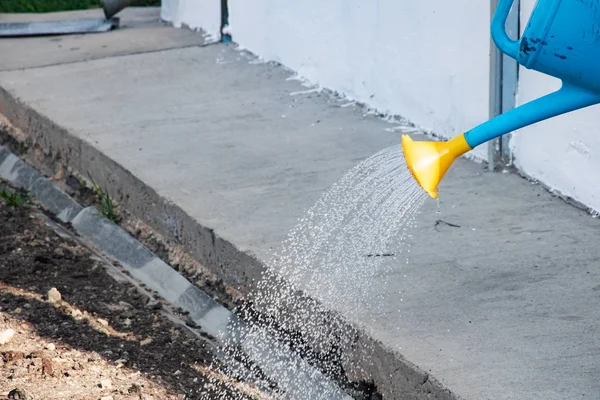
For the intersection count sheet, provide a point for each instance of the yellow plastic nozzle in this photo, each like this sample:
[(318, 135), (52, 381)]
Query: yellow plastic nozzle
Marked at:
[(429, 161)]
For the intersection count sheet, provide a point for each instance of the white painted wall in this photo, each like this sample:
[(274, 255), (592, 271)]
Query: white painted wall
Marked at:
[(196, 14), (426, 60), (563, 152)]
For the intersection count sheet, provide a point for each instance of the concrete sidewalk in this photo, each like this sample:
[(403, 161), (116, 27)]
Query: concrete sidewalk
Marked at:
[(505, 307)]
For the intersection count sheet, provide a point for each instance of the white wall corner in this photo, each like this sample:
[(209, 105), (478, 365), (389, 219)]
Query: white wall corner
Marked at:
[(202, 15)]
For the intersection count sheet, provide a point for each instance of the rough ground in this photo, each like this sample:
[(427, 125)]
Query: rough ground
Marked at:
[(70, 331)]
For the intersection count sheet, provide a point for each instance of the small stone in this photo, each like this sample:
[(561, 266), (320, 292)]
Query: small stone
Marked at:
[(12, 356), (127, 322), (146, 341), (134, 389), (6, 336), (54, 296), (103, 322), (50, 346), (105, 384), (73, 183), (59, 253), (47, 367), (154, 305), (77, 314), (190, 322), (59, 175), (125, 306)]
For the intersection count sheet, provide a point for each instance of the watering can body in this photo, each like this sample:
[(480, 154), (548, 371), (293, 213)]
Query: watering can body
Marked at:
[(561, 39)]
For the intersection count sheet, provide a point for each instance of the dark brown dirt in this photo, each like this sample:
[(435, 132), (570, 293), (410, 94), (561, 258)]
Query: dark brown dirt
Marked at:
[(101, 340)]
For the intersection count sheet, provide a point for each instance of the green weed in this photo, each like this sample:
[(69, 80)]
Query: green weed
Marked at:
[(15, 199), (21, 148), (105, 202), (82, 182)]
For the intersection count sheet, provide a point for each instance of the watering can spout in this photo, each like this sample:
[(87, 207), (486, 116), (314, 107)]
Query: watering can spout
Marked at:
[(428, 162)]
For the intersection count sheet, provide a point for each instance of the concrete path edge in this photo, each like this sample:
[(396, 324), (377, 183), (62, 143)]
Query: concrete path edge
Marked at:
[(53, 148)]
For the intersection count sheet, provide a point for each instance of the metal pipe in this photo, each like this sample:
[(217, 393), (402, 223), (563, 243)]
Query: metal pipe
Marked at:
[(503, 81), (495, 99)]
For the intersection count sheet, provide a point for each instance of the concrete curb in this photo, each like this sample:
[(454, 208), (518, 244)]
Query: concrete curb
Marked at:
[(363, 359), (146, 267)]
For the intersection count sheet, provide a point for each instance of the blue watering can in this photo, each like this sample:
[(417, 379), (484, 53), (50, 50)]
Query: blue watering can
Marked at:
[(562, 39)]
